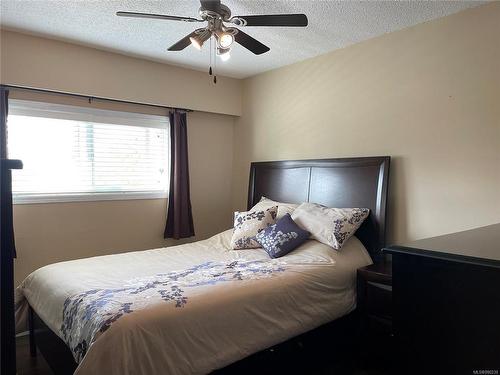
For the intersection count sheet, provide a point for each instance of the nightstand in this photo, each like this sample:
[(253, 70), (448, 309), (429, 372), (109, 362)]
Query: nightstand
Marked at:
[(374, 305)]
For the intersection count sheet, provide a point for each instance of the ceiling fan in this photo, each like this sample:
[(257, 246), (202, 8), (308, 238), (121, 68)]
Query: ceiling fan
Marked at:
[(217, 15)]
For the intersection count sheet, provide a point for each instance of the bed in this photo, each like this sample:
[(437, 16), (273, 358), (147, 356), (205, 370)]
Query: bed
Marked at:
[(196, 308)]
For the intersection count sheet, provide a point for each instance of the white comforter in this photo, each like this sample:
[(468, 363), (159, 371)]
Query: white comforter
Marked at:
[(192, 308)]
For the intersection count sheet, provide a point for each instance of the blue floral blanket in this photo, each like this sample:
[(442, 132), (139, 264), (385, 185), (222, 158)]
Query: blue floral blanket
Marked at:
[(87, 315)]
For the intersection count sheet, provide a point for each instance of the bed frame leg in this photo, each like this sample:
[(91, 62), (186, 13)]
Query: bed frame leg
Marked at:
[(31, 325)]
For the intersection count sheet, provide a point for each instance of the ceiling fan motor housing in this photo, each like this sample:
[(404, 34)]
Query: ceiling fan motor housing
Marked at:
[(222, 13)]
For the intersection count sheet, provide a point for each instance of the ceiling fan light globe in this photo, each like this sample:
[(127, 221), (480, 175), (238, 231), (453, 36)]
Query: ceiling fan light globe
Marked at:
[(223, 53), (225, 56), (225, 40), (200, 37)]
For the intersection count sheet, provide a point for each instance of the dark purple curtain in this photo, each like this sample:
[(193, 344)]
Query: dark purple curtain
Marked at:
[(179, 213)]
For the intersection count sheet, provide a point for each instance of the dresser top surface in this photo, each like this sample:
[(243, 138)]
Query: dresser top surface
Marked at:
[(480, 245)]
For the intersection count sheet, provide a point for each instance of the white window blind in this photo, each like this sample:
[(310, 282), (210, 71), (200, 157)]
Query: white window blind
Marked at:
[(75, 153)]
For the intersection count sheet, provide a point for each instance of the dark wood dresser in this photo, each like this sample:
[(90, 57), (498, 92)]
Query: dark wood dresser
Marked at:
[(446, 303)]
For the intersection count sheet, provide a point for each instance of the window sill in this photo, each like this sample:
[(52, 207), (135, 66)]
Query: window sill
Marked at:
[(86, 197)]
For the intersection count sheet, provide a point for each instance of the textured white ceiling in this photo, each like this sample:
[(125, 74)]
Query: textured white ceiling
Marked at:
[(332, 25)]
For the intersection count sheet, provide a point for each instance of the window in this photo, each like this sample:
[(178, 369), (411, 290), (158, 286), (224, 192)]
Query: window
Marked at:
[(75, 153)]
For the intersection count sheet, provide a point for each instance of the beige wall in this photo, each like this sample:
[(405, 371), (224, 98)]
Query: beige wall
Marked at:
[(52, 232), (429, 96), (47, 233), (50, 64)]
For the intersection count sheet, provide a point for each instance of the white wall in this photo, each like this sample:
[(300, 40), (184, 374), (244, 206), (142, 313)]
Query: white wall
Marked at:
[(47, 233), (429, 96), (50, 64)]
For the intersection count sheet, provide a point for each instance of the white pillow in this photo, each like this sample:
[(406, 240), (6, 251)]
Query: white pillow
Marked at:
[(331, 226), (283, 208), (248, 224)]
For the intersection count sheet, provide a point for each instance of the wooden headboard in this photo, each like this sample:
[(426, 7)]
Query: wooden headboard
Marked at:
[(350, 182)]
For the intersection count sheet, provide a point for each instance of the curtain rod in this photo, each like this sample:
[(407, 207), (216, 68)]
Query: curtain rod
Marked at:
[(89, 97)]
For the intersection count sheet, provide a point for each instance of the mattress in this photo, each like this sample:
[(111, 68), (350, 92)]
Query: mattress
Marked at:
[(192, 308)]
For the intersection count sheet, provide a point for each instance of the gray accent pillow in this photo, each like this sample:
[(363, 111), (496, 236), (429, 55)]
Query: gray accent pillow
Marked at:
[(248, 224), (281, 238)]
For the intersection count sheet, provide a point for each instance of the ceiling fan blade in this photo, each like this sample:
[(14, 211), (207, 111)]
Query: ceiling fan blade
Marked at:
[(294, 20), (157, 16), (250, 43), (183, 43), (213, 5)]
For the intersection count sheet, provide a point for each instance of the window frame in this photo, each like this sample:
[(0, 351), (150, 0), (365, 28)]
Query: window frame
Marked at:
[(42, 109), (23, 198)]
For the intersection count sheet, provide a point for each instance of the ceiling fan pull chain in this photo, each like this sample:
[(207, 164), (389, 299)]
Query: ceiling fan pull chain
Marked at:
[(210, 66), (215, 61)]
